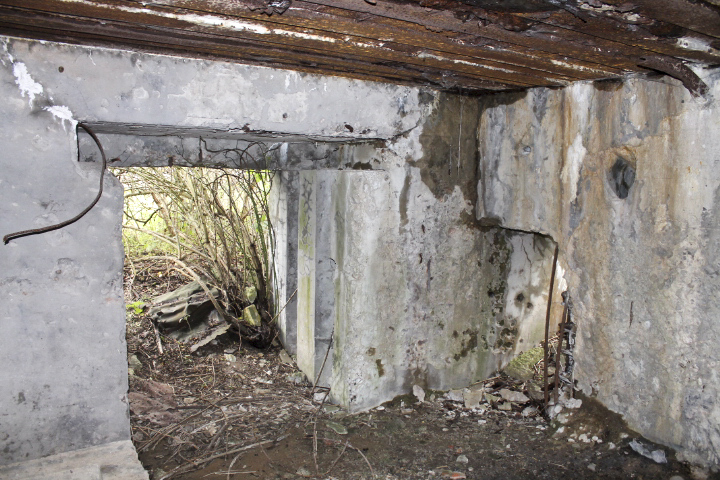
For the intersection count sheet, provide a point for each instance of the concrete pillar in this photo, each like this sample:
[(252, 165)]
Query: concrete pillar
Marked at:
[(284, 218), (316, 272)]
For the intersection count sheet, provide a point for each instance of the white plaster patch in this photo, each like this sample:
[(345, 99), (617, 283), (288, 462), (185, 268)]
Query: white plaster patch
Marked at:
[(573, 163), (572, 66), (695, 44), (7, 53), (225, 22), (582, 96), (140, 93), (461, 62), (27, 85), (63, 114)]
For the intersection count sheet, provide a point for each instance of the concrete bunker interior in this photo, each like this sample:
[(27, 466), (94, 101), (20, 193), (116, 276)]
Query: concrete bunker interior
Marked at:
[(424, 200)]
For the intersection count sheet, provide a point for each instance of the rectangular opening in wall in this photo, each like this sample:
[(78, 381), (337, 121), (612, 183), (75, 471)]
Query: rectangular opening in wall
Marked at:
[(201, 314)]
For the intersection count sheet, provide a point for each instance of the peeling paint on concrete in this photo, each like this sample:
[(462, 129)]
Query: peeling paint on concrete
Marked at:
[(63, 114), (28, 86)]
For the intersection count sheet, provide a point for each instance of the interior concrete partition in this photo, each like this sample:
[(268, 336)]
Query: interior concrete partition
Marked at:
[(416, 228)]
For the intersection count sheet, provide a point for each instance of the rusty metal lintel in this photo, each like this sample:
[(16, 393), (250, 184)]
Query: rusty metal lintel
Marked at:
[(677, 70)]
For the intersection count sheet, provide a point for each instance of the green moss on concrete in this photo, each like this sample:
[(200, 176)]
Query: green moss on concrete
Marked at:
[(521, 367)]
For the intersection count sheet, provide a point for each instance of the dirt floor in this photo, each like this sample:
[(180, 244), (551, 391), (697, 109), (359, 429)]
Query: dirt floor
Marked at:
[(234, 412)]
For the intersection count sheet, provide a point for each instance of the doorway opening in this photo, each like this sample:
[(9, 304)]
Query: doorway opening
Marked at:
[(206, 372)]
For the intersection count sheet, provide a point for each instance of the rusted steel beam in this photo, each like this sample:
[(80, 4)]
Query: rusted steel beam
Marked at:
[(547, 326)]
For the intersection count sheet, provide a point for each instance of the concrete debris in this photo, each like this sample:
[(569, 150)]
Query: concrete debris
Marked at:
[(337, 428), (298, 378), (419, 393), (251, 293), (110, 461), (251, 316), (303, 472), (573, 403), (658, 456), (285, 358), (512, 396), (473, 396), (530, 412), (134, 362), (462, 459), (454, 395), (318, 397)]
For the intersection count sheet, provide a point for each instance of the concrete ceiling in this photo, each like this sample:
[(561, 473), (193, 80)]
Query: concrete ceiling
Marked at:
[(465, 45)]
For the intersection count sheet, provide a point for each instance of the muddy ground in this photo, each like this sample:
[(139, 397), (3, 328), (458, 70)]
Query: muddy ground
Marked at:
[(230, 411)]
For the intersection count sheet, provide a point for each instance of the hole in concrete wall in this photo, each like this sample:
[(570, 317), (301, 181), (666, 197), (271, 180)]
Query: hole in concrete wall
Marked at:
[(622, 177)]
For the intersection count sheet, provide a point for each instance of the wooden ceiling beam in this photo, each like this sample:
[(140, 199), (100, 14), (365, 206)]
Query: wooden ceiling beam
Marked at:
[(188, 43)]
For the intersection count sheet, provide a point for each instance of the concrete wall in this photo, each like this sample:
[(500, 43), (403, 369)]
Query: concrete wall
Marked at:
[(391, 259), (62, 351), (643, 270), (63, 367)]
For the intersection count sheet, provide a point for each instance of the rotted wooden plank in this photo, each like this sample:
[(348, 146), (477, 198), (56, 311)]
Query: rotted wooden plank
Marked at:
[(697, 16), (321, 18), (263, 34), (556, 49), (163, 40), (641, 35)]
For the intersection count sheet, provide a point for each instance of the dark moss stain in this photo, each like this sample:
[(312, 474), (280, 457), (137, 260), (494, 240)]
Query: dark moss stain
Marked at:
[(609, 85), (506, 339), (404, 201), (449, 140), (380, 368), (468, 344), (371, 351), (361, 166)]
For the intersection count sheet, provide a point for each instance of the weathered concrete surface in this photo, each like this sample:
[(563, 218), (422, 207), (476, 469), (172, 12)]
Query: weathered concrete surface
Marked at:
[(423, 294), (284, 198), (111, 461), (124, 88), (644, 270), (62, 351), (391, 260)]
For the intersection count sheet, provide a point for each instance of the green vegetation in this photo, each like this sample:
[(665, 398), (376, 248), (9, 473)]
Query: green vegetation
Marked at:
[(212, 224)]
